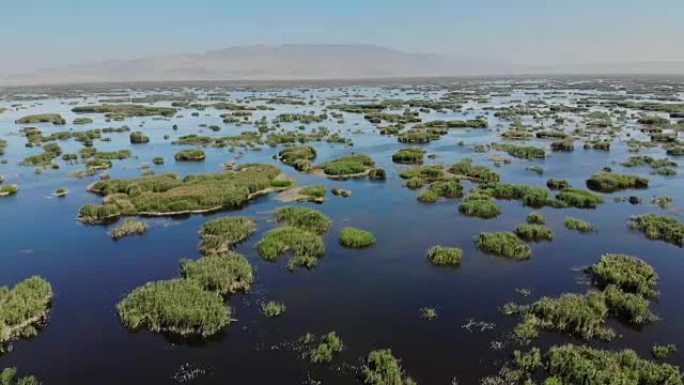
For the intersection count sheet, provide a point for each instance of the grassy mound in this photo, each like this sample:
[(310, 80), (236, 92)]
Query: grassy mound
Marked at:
[(189, 155), (609, 182), (356, 238), (409, 155), (178, 306), (23, 308), (222, 273), (303, 217), (479, 206), (348, 165), (223, 234), (128, 227), (659, 227), (533, 233), (578, 225), (504, 244), (299, 157), (444, 256), (306, 247)]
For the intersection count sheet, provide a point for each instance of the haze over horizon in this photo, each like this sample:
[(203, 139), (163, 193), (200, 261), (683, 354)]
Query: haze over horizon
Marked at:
[(522, 37)]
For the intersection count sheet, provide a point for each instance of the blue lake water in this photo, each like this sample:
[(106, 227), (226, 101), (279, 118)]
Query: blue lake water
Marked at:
[(371, 297)]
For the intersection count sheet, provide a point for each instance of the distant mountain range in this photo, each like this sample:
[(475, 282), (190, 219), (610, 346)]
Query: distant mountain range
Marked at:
[(300, 62)]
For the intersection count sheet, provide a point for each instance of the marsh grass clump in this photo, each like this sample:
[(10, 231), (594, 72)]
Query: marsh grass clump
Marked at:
[(345, 193), (8, 189), (178, 306), (659, 227), (535, 219), (580, 199), (225, 273), (505, 244), (189, 155), (428, 196), (138, 137), (305, 247), (348, 165), (314, 193), (329, 345), (572, 223), (409, 155), (23, 308), (303, 217), (557, 184), (273, 308), (61, 192), (524, 152), (166, 194), (447, 189), (478, 174), (662, 351), (445, 256), (299, 157), (82, 121), (223, 234), (356, 238), (122, 111), (377, 174), (41, 118), (158, 160), (630, 274), (382, 368), (533, 233), (127, 228), (609, 182), (428, 313), (565, 145), (8, 376), (480, 206)]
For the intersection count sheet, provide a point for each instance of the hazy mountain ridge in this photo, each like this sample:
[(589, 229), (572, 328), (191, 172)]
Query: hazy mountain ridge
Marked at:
[(300, 62)]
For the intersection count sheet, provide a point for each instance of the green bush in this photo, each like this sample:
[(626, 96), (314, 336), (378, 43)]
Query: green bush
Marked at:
[(504, 244), (445, 256), (356, 238)]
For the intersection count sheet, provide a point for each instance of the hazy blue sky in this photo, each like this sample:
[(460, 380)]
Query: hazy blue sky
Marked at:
[(48, 33)]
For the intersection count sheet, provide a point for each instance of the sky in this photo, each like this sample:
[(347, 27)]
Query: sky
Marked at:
[(39, 34)]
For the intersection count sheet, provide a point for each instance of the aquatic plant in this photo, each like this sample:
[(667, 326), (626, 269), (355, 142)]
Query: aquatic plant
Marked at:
[(189, 155), (535, 218), (581, 199), (128, 227), (579, 225), (341, 192), (428, 313), (8, 376), (382, 368), (480, 206), (447, 189), (122, 111), (225, 273), (355, 238), (409, 155), (630, 274), (347, 165), (478, 174), (8, 189), (659, 227), (41, 118), (662, 351), (303, 217), (158, 160), (178, 306), (377, 174), (524, 152), (273, 308), (329, 345), (428, 196), (305, 247), (557, 184), (23, 308), (505, 244), (444, 256), (314, 193), (533, 233), (565, 145), (223, 234), (609, 182), (166, 194)]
